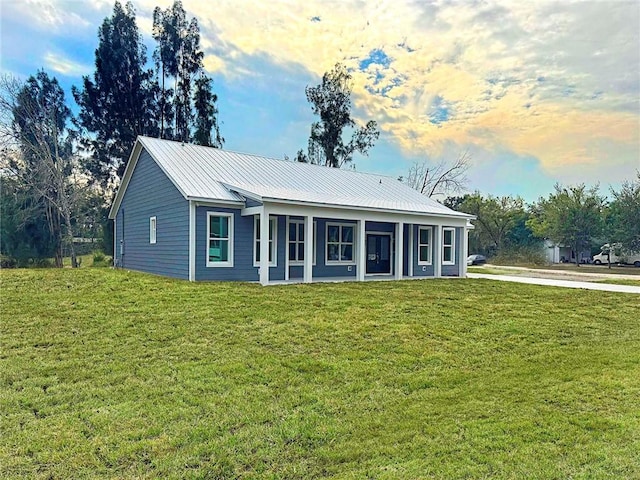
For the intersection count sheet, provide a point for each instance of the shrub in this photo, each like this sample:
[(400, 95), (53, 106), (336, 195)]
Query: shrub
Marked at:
[(100, 259), (530, 255), (7, 262)]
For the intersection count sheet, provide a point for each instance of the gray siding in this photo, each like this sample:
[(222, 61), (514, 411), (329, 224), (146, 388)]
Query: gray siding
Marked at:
[(423, 270), (150, 193), (321, 269), (453, 270), (243, 235)]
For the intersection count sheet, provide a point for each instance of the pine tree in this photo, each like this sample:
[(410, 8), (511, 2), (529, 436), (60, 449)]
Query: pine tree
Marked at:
[(331, 100), (206, 119), (120, 101)]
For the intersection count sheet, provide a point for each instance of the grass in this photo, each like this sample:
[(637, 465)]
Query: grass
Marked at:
[(622, 281), (601, 269), (112, 374)]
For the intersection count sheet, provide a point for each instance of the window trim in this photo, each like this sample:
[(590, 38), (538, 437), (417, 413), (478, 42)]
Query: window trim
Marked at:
[(256, 228), (451, 246), (429, 245), (340, 243), (296, 221), (229, 262), (153, 230)]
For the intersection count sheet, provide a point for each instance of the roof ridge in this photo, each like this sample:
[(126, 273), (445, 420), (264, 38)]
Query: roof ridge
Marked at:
[(255, 155)]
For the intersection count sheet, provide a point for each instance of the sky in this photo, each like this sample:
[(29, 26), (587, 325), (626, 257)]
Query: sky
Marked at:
[(537, 92)]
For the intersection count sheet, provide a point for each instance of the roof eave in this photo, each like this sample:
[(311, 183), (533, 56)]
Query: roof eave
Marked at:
[(366, 209), (131, 164)]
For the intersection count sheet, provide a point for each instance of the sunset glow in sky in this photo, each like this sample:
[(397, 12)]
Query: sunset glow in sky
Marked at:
[(539, 92)]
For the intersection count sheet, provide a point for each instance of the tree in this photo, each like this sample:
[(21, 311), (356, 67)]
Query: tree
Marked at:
[(331, 100), (119, 103), (178, 55), (443, 178), (623, 215), (38, 152), (498, 220), (206, 115), (25, 230), (571, 216)]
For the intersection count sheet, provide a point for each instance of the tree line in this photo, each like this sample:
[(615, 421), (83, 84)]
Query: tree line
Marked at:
[(58, 171), (577, 216)]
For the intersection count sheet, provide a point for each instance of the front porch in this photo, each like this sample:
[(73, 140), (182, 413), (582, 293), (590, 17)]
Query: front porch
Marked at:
[(355, 245)]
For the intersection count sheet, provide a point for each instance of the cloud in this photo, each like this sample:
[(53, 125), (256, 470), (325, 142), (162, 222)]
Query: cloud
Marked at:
[(65, 66), (554, 81)]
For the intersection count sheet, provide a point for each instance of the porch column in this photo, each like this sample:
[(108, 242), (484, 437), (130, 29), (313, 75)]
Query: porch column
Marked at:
[(308, 249), (399, 249), (192, 241), (464, 247), (286, 248), (361, 265), (264, 246), (437, 261), (411, 235)]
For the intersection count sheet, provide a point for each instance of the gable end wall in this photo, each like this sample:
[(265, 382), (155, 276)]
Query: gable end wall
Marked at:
[(150, 193)]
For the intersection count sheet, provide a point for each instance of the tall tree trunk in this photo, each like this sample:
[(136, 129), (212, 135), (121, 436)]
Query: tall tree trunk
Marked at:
[(69, 234)]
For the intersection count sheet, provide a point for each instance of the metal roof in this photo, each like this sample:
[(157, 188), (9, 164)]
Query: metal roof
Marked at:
[(207, 173)]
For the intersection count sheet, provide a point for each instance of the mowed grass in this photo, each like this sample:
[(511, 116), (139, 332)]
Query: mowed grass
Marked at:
[(115, 374)]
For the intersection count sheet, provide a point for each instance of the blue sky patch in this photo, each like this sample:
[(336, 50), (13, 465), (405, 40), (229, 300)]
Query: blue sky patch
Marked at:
[(376, 56), (439, 111)]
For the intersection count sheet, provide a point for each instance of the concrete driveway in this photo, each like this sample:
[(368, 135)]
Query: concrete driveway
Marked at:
[(555, 282)]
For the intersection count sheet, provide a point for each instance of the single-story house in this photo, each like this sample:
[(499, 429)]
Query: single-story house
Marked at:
[(557, 253), (201, 213)]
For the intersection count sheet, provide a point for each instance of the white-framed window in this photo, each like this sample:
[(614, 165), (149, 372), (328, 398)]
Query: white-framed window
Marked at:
[(273, 240), (424, 245), (340, 243), (219, 239), (152, 229), (296, 242), (448, 242)]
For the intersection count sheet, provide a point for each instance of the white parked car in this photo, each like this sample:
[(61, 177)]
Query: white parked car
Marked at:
[(476, 260)]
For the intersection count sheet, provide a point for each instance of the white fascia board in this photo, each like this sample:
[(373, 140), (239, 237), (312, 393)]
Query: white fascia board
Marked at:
[(131, 165), (209, 202), (249, 211), (372, 215), (243, 192), (456, 215)]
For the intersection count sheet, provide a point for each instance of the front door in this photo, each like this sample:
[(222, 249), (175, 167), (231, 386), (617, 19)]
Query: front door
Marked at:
[(378, 253)]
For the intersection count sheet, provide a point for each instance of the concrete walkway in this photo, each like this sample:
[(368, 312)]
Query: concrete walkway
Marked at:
[(606, 287)]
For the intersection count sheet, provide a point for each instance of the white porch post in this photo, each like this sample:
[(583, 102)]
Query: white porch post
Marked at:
[(192, 241), (286, 248), (264, 246), (464, 252), (361, 264), (399, 250), (437, 263), (308, 249), (411, 234)]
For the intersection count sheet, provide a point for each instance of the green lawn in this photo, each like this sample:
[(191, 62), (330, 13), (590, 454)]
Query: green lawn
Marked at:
[(114, 374)]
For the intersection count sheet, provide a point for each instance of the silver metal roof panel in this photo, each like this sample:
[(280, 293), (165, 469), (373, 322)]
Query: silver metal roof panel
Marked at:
[(211, 173)]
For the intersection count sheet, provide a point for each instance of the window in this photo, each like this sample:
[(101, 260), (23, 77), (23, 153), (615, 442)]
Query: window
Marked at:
[(296, 242), (219, 239), (272, 241), (339, 243), (448, 240), (152, 230), (424, 246)]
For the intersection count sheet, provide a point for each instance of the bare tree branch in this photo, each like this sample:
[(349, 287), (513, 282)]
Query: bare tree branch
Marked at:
[(443, 178), (30, 138)]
